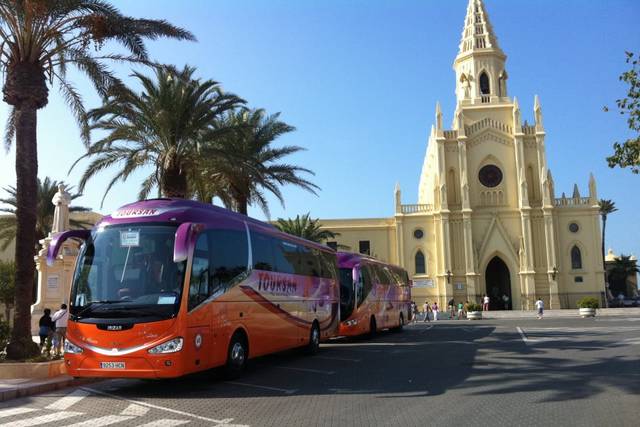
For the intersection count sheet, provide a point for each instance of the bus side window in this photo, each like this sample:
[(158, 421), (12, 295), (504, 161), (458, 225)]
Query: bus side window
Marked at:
[(309, 261), (286, 256), (229, 255), (199, 283), (329, 267), (262, 252), (367, 282)]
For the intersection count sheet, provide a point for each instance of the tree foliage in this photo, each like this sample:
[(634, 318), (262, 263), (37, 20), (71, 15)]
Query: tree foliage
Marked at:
[(163, 126), (627, 154), (246, 163), (44, 215), (305, 227), (7, 286)]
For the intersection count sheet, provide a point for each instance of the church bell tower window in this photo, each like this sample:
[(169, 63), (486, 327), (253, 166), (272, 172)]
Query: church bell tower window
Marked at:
[(485, 88)]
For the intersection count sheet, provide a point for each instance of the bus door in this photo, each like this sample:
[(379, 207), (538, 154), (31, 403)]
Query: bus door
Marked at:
[(199, 338), (349, 277)]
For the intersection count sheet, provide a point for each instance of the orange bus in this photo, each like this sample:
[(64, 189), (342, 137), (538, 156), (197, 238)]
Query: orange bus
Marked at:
[(373, 295), (167, 287)]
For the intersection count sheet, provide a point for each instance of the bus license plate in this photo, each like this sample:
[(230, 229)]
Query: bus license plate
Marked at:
[(112, 365)]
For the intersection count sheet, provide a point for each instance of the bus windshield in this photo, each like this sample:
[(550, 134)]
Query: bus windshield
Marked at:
[(127, 272)]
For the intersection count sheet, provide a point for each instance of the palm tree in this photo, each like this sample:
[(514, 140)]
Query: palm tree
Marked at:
[(163, 127), (305, 227), (44, 213), (246, 163), (606, 207), (622, 269), (39, 41)]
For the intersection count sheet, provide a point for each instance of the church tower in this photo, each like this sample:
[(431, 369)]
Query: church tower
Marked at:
[(487, 221), (480, 65), (488, 184)]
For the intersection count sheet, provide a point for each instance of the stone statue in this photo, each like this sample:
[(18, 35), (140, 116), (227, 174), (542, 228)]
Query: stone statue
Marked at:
[(61, 200)]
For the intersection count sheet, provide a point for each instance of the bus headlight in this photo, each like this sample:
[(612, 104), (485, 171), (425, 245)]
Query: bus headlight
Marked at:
[(71, 348), (171, 346)]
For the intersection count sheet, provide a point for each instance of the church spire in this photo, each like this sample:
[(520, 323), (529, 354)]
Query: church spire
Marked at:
[(477, 32), (480, 64)]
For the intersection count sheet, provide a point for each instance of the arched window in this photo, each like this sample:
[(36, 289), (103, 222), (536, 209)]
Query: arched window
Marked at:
[(420, 265), (484, 84), (576, 258)]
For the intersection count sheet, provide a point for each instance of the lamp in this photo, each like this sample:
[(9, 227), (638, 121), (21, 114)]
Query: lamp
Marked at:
[(554, 272), (449, 276)]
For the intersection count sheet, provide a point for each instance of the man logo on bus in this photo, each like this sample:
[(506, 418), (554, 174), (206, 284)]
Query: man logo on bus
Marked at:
[(198, 340)]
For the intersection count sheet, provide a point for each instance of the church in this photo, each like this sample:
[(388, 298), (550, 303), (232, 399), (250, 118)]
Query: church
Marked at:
[(487, 220)]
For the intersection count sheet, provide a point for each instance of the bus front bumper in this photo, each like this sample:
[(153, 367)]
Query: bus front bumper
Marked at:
[(137, 365)]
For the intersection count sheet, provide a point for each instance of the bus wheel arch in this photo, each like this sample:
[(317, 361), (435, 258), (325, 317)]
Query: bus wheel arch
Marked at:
[(237, 354)]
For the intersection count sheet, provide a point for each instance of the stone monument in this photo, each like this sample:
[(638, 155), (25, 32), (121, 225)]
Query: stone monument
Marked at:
[(54, 281)]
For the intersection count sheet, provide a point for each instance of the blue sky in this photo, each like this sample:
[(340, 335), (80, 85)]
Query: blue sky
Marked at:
[(360, 78)]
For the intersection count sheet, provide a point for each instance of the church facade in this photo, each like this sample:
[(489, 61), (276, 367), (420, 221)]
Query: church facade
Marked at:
[(487, 219)]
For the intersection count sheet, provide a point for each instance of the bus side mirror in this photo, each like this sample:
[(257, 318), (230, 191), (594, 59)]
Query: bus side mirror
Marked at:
[(186, 236), (58, 239)]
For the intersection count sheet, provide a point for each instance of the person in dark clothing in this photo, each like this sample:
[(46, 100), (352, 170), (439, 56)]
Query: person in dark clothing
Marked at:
[(46, 326)]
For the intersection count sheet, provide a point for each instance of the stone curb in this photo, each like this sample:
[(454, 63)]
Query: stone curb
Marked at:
[(41, 386)]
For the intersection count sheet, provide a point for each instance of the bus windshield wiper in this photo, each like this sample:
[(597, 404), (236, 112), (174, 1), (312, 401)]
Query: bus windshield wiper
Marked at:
[(95, 304)]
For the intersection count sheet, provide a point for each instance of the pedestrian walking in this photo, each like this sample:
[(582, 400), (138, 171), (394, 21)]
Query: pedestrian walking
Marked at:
[(452, 308), (60, 318), (540, 308), (46, 327), (461, 312), (435, 310), (485, 303), (426, 308), (505, 299), (414, 311)]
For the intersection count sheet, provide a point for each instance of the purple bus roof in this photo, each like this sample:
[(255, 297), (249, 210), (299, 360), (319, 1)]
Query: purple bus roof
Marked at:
[(180, 211), (350, 259)]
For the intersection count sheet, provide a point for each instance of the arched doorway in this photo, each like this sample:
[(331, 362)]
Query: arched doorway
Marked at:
[(498, 281)]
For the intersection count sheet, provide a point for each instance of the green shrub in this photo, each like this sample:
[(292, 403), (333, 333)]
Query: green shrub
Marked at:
[(5, 334), (588, 302), (474, 307)]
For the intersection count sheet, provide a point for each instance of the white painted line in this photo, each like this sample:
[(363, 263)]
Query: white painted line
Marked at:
[(313, 371), (102, 421), (56, 416), (165, 423), (340, 359), (15, 411), (263, 387), (68, 401), (135, 410), (524, 337), (225, 422), (426, 329)]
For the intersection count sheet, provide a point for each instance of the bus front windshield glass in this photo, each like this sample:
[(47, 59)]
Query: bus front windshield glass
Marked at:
[(127, 272)]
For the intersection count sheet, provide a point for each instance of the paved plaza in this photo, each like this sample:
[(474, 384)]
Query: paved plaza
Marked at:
[(582, 372)]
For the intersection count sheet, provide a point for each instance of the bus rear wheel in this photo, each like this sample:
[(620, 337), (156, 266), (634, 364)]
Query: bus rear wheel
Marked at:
[(314, 339), (400, 324), (373, 327), (236, 356)]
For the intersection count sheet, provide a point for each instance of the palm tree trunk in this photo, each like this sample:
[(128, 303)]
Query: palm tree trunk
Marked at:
[(173, 183), (604, 262), (22, 345)]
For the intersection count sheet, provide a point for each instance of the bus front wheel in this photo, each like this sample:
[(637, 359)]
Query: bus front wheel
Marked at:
[(236, 356), (314, 339)]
